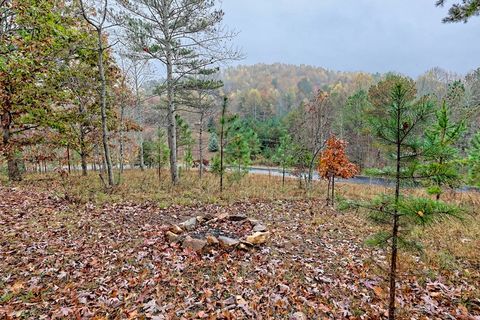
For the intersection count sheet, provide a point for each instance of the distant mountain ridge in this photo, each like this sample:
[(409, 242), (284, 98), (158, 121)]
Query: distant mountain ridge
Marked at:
[(282, 76), (265, 90)]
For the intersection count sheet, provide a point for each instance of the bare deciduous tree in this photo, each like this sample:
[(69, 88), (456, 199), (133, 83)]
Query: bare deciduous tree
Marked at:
[(97, 18), (138, 73), (310, 127)]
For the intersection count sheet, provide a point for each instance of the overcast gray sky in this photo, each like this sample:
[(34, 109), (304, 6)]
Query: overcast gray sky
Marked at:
[(405, 36)]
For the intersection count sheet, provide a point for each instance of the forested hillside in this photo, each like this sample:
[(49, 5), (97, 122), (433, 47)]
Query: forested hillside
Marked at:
[(270, 98), (262, 91)]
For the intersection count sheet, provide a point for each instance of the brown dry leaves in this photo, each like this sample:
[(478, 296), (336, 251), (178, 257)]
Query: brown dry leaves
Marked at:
[(60, 261)]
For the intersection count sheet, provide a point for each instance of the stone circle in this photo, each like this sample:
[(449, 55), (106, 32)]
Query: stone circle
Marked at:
[(222, 231)]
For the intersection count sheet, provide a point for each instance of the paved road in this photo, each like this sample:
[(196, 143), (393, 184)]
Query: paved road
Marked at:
[(357, 180)]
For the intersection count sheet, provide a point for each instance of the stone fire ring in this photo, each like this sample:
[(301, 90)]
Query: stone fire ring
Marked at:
[(178, 233)]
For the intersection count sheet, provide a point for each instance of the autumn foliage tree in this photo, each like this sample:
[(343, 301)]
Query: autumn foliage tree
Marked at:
[(35, 38), (334, 163)]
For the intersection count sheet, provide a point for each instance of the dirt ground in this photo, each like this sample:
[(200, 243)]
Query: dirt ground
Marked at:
[(67, 260)]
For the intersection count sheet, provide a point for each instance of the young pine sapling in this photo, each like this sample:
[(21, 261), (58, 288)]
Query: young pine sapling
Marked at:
[(474, 161), (285, 154), (399, 125), (442, 163)]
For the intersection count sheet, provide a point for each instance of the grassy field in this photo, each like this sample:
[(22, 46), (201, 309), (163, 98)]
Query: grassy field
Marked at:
[(71, 250)]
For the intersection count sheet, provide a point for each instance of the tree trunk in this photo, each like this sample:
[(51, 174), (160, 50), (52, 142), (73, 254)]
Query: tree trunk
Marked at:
[(283, 176), (103, 101), (221, 142), (393, 267), (439, 185), (310, 170), (328, 191), (200, 146), (122, 116), (333, 190), (68, 159), (83, 159), (83, 153), (394, 249), (311, 165), (176, 138), (139, 119), (83, 147), (14, 173), (95, 157), (104, 163), (142, 160), (171, 129)]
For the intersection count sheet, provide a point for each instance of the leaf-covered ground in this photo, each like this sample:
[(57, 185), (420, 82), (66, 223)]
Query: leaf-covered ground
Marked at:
[(65, 261)]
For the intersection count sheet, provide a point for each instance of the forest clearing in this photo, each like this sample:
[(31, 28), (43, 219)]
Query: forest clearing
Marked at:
[(105, 255), (225, 159)]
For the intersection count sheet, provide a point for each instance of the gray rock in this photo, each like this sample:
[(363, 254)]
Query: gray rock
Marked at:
[(259, 228), (230, 301), (211, 240), (189, 224), (176, 229), (244, 245), (208, 216), (298, 316), (258, 237), (237, 217), (221, 216), (172, 237), (227, 242), (194, 244)]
